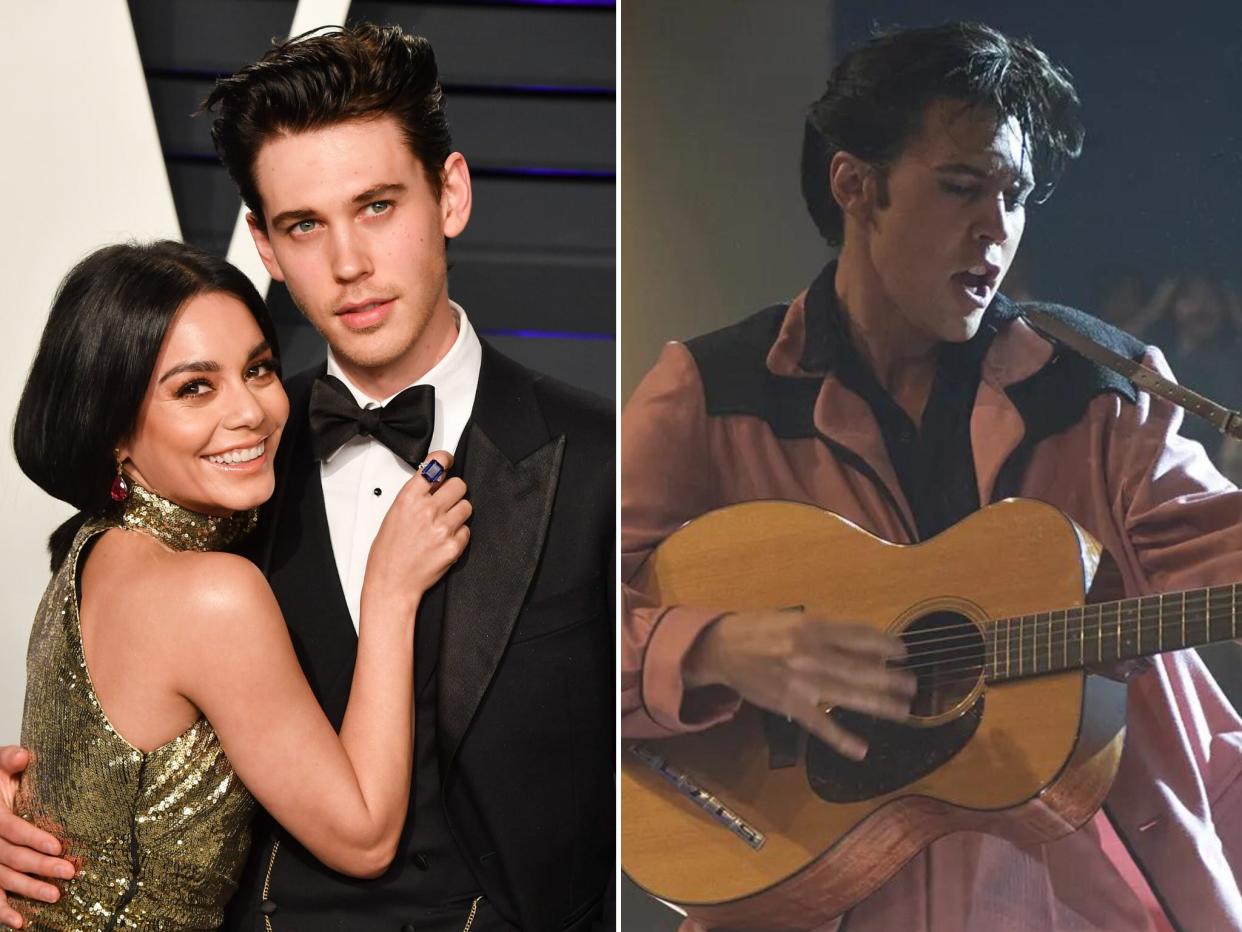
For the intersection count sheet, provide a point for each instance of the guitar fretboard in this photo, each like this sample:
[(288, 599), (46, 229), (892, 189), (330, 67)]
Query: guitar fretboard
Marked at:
[(1030, 645)]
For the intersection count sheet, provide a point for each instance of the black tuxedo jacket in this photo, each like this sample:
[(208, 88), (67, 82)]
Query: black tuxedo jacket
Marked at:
[(524, 721)]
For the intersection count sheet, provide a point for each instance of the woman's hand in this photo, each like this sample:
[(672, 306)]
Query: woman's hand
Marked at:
[(424, 532)]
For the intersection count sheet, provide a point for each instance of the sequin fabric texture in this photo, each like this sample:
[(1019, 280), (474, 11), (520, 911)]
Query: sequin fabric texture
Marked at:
[(161, 836)]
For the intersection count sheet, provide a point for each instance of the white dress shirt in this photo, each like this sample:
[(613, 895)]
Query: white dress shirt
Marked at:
[(361, 479)]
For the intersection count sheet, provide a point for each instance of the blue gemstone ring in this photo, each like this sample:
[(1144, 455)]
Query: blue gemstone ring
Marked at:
[(431, 470)]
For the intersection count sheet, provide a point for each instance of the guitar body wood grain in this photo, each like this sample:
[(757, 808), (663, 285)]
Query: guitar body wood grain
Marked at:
[(1037, 766)]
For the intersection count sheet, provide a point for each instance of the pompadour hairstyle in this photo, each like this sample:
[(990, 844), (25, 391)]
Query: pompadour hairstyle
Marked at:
[(325, 77), (877, 96)]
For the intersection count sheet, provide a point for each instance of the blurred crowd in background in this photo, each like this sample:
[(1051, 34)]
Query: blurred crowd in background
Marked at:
[(1196, 320)]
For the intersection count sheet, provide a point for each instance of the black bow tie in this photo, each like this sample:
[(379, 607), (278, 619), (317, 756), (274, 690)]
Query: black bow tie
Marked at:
[(403, 425)]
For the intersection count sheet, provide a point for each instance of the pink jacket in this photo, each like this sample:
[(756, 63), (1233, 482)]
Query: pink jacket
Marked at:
[(1121, 471)]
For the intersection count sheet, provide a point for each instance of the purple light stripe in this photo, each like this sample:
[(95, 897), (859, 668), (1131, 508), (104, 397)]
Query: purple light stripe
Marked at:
[(587, 4), (530, 171), (175, 155), (187, 74), (547, 334), (532, 90), (585, 90), (583, 4)]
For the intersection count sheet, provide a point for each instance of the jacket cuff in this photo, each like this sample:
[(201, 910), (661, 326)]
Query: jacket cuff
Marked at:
[(665, 698)]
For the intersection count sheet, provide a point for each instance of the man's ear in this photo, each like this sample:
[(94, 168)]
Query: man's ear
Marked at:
[(259, 234), (855, 186), (455, 195)]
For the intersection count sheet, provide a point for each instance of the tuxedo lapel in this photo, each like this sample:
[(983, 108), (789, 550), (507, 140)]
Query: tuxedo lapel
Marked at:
[(511, 471), (291, 465), (297, 558)]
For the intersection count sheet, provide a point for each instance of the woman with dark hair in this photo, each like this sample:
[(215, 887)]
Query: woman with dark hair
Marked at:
[(163, 690)]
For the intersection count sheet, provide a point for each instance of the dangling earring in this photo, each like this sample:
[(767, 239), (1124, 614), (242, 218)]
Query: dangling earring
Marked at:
[(120, 485)]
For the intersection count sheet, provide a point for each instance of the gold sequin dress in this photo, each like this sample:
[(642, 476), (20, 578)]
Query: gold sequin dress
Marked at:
[(161, 836)]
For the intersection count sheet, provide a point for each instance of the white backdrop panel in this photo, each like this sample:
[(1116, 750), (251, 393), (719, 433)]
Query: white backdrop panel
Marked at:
[(82, 167), (310, 14)]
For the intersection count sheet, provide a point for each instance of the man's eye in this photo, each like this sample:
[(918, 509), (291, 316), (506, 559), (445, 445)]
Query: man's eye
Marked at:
[(959, 190), (304, 226), (1015, 199), (379, 207)]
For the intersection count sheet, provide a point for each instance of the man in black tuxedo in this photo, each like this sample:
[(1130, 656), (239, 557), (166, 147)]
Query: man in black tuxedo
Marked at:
[(340, 147)]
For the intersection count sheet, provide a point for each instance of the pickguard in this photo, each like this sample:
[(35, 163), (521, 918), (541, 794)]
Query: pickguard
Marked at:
[(897, 755)]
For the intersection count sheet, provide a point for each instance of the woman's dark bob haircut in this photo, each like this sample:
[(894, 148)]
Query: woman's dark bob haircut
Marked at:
[(94, 363), (877, 97)]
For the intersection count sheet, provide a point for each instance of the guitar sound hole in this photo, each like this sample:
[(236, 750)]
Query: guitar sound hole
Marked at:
[(945, 652)]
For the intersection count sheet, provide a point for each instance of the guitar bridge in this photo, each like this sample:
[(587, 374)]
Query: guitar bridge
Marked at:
[(717, 810)]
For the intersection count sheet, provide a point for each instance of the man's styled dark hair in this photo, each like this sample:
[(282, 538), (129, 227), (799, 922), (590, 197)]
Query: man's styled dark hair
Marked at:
[(94, 363), (877, 97), (322, 78)]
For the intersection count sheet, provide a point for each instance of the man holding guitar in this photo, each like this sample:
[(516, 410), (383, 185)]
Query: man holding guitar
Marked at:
[(904, 393)]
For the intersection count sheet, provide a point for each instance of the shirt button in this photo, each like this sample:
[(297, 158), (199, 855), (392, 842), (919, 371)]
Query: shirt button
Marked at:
[(377, 492), (906, 436), (408, 927), (267, 907), (420, 861)]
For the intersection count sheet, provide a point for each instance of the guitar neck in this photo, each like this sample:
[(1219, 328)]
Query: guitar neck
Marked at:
[(1067, 639)]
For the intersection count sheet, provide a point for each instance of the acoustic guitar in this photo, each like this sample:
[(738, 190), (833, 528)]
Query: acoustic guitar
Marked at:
[(1007, 734)]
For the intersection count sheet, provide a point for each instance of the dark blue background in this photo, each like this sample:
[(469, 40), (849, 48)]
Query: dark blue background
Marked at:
[(530, 94)]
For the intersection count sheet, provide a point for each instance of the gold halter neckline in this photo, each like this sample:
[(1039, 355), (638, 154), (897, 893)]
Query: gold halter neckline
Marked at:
[(180, 528)]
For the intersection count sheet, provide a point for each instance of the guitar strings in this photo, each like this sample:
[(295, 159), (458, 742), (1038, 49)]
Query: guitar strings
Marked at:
[(1131, 634), (1130, 612), (980, 661), (969, 640), (971, 669), (1031, 634), (1222, 593)]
